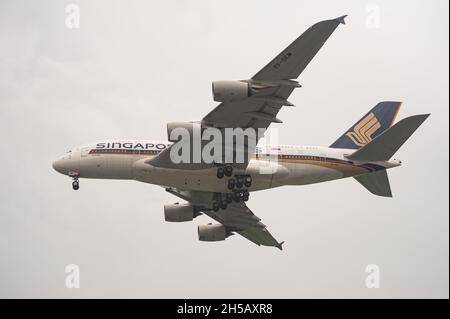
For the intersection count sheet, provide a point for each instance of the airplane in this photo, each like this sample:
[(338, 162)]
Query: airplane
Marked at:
[(221, 190)]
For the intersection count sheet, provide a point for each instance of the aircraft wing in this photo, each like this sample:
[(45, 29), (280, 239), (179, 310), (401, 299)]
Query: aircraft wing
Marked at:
[(240, 219), (259, 112), (237, 217), (275, 80)]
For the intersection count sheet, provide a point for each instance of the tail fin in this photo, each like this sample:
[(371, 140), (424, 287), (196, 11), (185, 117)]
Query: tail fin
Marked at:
[(384, 146), (379, 119), (377, 183)]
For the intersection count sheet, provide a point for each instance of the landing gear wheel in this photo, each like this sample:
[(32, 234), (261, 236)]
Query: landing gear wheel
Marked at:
[(220, 172), (236, 197), (229, 198), (248, 182), (215, 206), (245, 198), (231, 184), (228, 170), (75, 183), (223, 204), (239, 182)]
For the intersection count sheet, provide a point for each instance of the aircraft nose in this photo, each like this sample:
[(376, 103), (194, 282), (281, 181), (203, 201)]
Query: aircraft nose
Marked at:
[(58, 166)]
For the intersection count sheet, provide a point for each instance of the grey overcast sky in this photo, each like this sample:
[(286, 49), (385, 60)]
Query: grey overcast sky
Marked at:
[(133, 66)]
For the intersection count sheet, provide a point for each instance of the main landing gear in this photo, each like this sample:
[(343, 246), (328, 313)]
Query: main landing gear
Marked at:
[(224, 170), (239, 185), (239, 182), (221, 201)]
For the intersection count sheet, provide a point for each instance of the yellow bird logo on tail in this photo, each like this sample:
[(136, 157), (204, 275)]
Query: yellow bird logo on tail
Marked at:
[(363, 131)]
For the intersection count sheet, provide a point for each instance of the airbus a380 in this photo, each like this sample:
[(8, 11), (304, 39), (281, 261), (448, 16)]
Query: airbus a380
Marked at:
[(220, 189)]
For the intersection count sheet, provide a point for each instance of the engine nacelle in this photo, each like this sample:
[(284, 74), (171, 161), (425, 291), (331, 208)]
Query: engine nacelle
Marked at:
[(185, 128), (212, 232), (179, 212), (225, 91)]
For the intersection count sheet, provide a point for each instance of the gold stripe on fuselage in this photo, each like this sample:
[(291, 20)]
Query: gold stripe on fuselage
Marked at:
[(345, 167)]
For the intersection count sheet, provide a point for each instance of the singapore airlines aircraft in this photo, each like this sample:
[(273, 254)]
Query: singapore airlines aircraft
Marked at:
[(220, 189)]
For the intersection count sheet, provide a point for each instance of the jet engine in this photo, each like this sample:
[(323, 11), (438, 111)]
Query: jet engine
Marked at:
[(225, 91), (212, 232), (179, 212), (175, 130)]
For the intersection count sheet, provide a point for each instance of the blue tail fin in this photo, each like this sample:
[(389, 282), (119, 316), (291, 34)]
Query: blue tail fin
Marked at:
[(379, 119)]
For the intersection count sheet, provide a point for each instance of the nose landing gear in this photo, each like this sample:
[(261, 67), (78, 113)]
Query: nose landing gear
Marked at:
[(75, 183)]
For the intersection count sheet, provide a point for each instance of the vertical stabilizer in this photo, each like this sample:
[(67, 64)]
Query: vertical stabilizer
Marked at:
[(371, 125)]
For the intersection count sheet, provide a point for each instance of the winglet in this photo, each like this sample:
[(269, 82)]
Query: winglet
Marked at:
[(280, 245), (341, 19)]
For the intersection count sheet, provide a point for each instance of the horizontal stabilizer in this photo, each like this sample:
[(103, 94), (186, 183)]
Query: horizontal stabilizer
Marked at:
[(385, 145), (377, 183)]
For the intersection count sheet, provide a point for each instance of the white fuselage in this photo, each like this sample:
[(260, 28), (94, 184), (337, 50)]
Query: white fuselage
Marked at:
[(270, 167)]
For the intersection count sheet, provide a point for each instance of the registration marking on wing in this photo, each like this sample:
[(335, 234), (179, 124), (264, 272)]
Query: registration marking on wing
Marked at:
[(282, 60)]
